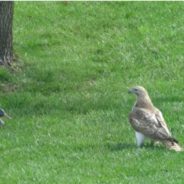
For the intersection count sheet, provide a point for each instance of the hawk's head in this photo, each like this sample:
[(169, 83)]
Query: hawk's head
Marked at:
[(139, 91)]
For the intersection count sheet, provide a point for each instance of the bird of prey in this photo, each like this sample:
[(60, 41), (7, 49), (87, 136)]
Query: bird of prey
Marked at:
[(3, 114), (147, 121)]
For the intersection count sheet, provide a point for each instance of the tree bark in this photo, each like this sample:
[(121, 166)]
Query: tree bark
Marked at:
[(6, 37)]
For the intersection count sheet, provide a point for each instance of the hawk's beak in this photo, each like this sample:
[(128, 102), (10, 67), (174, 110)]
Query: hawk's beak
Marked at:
[(130, 90)]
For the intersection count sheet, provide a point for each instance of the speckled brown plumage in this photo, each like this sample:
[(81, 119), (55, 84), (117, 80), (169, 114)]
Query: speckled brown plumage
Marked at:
[(148, 120)]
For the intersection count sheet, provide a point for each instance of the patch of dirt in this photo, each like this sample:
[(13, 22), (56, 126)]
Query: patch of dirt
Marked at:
[(7, 88)]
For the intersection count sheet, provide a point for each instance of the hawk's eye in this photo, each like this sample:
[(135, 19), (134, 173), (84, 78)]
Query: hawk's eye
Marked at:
[(136, 89)]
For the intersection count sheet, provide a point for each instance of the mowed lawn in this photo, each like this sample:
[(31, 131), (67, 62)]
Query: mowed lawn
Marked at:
[(67, 92)]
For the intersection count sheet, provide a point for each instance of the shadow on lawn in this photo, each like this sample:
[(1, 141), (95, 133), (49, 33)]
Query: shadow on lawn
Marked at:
[(123, 146), (119, 146)]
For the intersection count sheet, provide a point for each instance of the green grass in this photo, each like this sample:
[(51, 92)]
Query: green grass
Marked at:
[(68, 97)]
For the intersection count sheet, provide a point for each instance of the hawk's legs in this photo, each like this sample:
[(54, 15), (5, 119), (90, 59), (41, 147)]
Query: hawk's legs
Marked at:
[(139, 139)]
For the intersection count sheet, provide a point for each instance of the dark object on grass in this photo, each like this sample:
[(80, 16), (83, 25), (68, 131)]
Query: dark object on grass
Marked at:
[(3, 114)]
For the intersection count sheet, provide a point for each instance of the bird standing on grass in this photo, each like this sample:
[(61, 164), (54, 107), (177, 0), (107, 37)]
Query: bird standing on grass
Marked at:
[(148, 121), (3, 114)]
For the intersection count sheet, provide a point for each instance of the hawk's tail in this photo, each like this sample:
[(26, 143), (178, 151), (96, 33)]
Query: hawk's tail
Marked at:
[(173, 145)]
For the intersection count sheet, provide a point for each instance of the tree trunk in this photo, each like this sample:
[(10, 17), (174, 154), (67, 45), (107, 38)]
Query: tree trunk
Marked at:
[(6, 37)]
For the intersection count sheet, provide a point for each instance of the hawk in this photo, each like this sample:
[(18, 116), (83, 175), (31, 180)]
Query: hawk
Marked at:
[(147, 121)]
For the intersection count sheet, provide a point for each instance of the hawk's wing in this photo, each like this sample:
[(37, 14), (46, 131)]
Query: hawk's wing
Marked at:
[(150, 124), (161, 120)]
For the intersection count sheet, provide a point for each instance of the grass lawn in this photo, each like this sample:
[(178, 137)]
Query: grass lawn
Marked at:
[(68, 94)]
